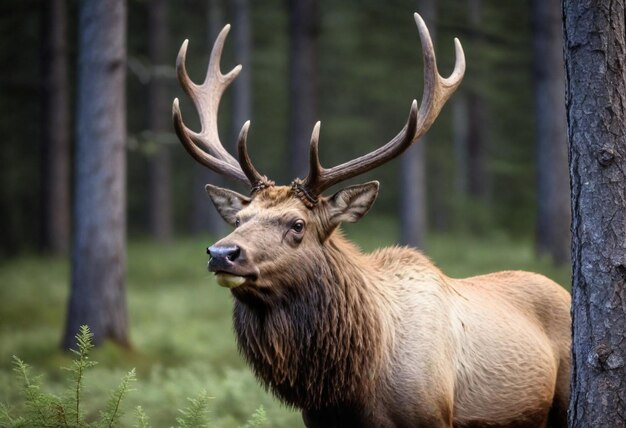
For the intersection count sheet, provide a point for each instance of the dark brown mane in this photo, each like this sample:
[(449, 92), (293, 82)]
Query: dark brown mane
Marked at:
[(322, 345)]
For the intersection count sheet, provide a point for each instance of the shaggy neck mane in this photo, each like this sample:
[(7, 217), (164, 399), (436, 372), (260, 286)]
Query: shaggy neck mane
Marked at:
[(323, 345)]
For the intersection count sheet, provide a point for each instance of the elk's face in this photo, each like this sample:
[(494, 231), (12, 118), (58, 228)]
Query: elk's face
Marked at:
[(278, 242)]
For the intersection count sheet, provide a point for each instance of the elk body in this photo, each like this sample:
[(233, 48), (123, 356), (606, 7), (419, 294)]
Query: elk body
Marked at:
[(373, 340)]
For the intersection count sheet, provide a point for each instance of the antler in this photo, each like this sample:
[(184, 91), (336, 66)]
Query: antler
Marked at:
[(206, 97), (437, 90)]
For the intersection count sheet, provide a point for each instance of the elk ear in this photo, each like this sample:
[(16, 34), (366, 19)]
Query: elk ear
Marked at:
[(352, 203), (227, 202)]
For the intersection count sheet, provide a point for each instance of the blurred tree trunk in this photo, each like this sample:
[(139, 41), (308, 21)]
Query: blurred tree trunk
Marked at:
[(460, 131), (595, 58), (204, 217), (303, 35), (55, 129), (158, 121), (98, 291), (476, 168), (553, 210), (413, 200), (241, 86)]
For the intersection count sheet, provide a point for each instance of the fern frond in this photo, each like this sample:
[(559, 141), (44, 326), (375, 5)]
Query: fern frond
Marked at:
[(258, 419), (112, 413), (143, 421), (6, 420), (84, 339), (40, 405), (196, 414)]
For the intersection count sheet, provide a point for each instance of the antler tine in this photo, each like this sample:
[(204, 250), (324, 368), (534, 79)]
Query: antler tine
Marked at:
[(257, 180), (206, 97), (315, 168), (437, 90), (200, 155)]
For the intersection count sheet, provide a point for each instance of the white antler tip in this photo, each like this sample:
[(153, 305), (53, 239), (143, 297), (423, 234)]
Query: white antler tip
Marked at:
[(183, 48)]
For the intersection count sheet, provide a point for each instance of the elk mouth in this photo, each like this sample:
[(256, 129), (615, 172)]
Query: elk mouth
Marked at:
[(233, 279)]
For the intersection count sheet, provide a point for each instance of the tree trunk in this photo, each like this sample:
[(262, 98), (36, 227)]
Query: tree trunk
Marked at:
[(460, 130), (595, 58), (476, 172), (241, 85), (303, 35), (204, 216), (98, 292), (158, 114), (413, 200), (476, 163), (553, 211), (55, 129)]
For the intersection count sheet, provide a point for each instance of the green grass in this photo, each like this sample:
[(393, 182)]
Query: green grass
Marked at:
[(181, 329)]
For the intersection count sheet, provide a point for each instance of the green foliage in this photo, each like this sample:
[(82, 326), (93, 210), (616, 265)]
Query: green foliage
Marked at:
[(143, 421), (44, 409), (258, 419), (111, 415), (195, 415)]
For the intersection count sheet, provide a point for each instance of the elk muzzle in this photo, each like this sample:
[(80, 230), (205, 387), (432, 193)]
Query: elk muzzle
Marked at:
[(227, 262)]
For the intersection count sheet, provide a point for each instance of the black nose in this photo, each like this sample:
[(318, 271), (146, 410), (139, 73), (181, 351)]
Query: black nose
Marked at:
[(230, 252), (223, 257)]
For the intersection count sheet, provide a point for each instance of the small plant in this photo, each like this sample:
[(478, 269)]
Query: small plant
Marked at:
[(44, 409), (258, 419)]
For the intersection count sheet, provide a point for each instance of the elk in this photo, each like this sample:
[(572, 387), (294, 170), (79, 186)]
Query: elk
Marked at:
[(372, 340)]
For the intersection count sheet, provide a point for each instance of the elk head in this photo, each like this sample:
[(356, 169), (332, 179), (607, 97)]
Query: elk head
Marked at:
[(279, 228)]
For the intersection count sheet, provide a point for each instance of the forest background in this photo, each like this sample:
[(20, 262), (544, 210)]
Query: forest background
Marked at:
[(486, 189)]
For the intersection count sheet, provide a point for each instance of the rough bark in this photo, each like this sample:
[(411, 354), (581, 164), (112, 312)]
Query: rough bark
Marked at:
[(595, 58), (55, 129), (98, 290), (158, 122), (204, 217), (413, 196), (553, 202), (303, 35)]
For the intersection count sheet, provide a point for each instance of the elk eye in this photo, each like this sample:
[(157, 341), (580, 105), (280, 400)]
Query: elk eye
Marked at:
[(237, 222), (298, 226)]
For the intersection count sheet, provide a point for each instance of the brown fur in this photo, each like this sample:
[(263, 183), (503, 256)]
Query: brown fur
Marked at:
[(387, 339)]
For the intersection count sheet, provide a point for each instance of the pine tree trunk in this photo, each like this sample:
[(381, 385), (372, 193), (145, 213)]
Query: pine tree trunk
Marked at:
[(553, 210), (98, 290), (204, 216), (303, 34), (55, 130), (595, 58), (460, 130), (158, 114), (477, 182), (241, 86), (413, 195), (476, 170)]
